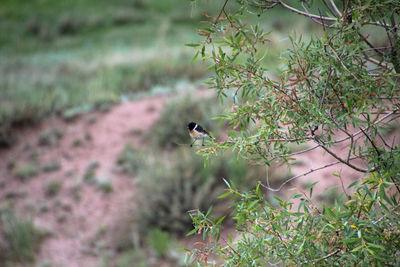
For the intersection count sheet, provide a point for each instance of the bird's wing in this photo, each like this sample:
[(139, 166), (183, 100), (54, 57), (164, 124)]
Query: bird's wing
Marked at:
[(200, 129)]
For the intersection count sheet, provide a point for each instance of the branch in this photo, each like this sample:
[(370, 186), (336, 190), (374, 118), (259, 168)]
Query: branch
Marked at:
[(338, 158), (298, 176), (335, 8), (309, 15)]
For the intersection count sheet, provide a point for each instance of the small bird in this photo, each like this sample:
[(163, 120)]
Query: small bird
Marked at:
[(197, 132)]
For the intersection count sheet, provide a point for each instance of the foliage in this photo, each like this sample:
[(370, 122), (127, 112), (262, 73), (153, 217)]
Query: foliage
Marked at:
[(130, 160), (181, 184), (21, 238), (53, 188), (51, 166), (337, 89), (159, 241)]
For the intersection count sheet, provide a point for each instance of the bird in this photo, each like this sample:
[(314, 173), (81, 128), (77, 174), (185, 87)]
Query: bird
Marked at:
[(197, 132)]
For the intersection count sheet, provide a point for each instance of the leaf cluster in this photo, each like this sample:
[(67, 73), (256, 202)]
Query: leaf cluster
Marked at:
[(338, 89)]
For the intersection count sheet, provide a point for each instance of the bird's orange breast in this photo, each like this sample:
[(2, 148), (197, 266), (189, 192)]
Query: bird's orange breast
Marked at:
[(193, 133)]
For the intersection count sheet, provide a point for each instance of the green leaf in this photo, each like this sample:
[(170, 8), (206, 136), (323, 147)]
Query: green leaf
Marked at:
[(310, 187), (192, 45), (220, 220), (227, 183), (382, 194), (329, 212), (191, 232), (228, 193), (209, 211)]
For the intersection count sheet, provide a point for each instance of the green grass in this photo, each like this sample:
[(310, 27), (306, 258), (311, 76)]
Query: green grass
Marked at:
[(21, 239), (25, 171), (71, 57), (55, 56)]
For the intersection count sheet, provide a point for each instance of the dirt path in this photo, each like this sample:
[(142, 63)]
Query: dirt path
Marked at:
[(80, 211)]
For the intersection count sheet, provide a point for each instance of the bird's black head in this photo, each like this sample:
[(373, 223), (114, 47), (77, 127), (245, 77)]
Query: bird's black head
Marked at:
[(191, 125)]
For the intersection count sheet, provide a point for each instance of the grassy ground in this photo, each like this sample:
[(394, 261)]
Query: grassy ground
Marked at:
[(58, 55)]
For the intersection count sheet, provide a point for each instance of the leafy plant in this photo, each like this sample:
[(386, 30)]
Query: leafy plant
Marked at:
[(342, 82), (180, 185)]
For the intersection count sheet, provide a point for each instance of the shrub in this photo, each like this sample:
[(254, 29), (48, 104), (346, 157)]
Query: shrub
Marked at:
[(130, 160), (159, 241), (51, 166), (50, 137), (340, 82), (53, 188), (25, 171), (181, 184)]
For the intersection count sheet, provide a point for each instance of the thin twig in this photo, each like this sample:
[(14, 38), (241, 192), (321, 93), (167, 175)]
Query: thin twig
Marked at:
[(328, 255), (335, 8), (300, 175), (305, 13), (341, 62)]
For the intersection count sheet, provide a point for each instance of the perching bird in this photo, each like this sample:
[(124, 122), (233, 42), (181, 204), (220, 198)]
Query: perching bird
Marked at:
[(197, 132)]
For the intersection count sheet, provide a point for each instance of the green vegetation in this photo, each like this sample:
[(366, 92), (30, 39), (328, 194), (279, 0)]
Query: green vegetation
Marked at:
[(25, 171), (130, 160), (53, 188), (159, 241), (104, 185), (20, 238), (51, 166), (337, 91), (90, 174), (73, 57), (50, 137)]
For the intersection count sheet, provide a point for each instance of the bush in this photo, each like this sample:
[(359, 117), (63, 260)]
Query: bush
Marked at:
[(130, 160), (341, 82), (181, 185), (53, 188), (25, 171)]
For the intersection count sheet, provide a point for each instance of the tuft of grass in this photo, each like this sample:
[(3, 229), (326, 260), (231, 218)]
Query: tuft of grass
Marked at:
[(25, 171), (130, 160), (53, 188), (132, 257), (51, 166), (90, 174), (104, 185), (50, 137), (159, 240), (21, 238)]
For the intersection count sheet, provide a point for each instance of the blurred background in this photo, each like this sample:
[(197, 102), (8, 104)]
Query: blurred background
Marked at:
[(95, 96)]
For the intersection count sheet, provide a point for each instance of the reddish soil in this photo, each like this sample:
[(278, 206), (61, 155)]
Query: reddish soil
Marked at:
[(75, 224)]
